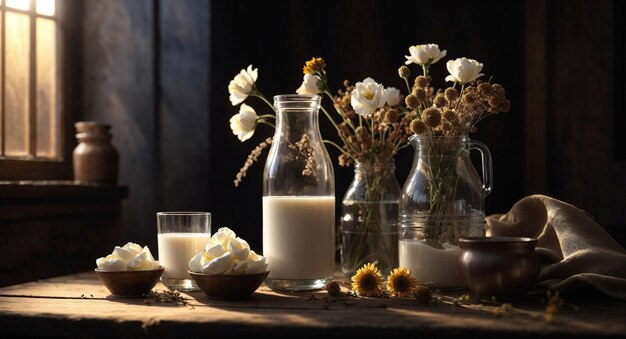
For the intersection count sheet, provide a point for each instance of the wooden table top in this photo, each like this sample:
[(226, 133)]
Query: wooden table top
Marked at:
[(79, 305)]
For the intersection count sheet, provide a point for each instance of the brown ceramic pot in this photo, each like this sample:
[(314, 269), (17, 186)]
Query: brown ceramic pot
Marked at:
[(95, 160), (501, 267)]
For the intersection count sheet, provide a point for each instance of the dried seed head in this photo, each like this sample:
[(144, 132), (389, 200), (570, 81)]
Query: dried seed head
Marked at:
[(412, 101), (392, 116), (451, 94), (422, 81), (449, 115), (440, 101), (418, 126), (420, 93), (333, 289), (422, 294), (469, 98), (404, 72), (431, 117)]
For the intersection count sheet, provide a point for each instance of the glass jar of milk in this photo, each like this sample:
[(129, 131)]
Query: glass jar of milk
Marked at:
[(298, 199)]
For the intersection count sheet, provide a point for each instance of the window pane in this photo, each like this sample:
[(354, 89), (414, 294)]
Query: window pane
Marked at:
[(17, 70), (19, 4), (47, 123), (45, 7)]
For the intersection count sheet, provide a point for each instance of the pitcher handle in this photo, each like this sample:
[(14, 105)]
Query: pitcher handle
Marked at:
[(485, 155)]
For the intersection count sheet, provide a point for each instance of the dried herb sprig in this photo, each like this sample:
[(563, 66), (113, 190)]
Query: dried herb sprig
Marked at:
[(166, 297)]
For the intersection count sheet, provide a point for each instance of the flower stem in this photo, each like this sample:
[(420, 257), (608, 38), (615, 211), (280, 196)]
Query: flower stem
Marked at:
[(336, 146), (408, 88), (262, 97)]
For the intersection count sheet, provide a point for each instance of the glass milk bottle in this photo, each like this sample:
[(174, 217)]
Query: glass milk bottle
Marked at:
[(298, 199)]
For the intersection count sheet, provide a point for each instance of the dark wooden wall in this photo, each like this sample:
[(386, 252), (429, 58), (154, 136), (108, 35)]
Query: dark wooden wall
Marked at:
[(575, 114), (158, 71)]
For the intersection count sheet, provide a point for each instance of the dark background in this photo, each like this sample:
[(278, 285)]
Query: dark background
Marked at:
[(158, 71)]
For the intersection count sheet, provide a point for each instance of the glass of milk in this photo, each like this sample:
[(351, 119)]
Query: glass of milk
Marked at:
[(180, 236)]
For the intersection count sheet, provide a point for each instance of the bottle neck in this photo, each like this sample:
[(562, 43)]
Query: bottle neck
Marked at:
[(297, 116)]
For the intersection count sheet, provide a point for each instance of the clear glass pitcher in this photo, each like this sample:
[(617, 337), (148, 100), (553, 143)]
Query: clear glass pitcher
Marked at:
[(442, 201), (298, 199)]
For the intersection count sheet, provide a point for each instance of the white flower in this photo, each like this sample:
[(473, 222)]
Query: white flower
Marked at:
[(367, 97), (241, 86), (464, 70), (424, 54), (393, 96), (244, 122), (309, 85)]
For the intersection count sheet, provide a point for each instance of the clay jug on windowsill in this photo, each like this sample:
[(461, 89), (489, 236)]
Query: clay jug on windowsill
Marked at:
[(95, 160)]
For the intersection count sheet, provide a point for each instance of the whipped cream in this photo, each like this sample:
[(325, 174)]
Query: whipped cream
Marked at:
[(225, 253), (130, 257)]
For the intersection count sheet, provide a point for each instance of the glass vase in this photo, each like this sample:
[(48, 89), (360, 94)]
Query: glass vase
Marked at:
[(442, 201), (298, 199), (369, 219)]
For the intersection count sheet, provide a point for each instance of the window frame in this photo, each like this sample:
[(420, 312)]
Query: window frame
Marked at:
[(60, 168)]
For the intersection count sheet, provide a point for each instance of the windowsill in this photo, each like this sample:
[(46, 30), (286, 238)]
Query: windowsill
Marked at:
[(50, 199), (58, 189)]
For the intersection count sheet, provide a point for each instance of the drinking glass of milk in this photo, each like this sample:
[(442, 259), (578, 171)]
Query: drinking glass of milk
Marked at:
[(180, 236)]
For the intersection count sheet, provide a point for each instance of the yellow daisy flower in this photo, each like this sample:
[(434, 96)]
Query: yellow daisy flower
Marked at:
[(314, 65), (401, 282), (367, 281)]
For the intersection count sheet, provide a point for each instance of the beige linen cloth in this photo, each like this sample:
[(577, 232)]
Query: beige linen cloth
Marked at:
[(581, 251)]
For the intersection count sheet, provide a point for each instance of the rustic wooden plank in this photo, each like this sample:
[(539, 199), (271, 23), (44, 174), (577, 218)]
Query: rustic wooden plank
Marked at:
[(69, 309)]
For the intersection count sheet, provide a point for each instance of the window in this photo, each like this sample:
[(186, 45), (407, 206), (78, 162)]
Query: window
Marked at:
[(31, 122)]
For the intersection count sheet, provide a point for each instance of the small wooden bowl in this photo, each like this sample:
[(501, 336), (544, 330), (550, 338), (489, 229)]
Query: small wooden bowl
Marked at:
[(129, 283), (229, 286)]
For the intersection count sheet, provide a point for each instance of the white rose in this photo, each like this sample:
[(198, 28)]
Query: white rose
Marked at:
[(424, 54), (239, 249), (244, 122), (393, 96), (221, 265), (367, 97), (241, 86), (464, 70), (309, 85)]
